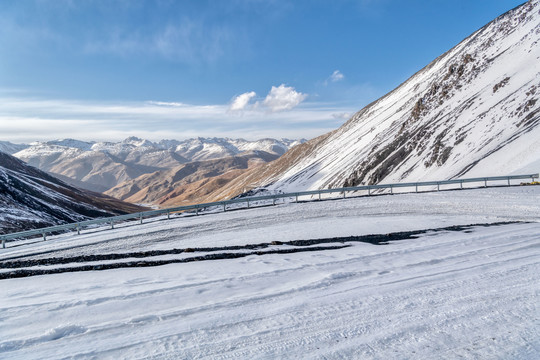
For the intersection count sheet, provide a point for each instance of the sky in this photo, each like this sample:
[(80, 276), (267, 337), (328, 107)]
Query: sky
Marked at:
[(104, 70)]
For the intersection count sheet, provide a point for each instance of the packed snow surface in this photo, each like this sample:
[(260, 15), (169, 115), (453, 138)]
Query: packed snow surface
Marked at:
[(467, 293)]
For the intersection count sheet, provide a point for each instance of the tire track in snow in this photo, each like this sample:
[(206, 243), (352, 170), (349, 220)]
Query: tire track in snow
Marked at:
[(25, 266)]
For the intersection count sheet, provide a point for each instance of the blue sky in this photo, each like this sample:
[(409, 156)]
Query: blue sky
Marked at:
[(106, 70)]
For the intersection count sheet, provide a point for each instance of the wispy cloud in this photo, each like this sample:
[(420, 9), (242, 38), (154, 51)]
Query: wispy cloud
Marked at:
[(30, 119), (187, 40), (21, 37), (164, 103), (335, 77)]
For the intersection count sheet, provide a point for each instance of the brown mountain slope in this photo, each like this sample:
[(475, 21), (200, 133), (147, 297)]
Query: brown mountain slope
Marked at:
[(189, 183), (201, 191), (255, 177)]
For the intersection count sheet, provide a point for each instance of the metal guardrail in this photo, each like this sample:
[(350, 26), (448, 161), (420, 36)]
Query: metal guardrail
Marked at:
[(197, 207)]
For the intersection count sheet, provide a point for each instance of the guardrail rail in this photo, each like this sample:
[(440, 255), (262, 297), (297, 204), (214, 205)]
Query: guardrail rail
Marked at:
[(78, 226)]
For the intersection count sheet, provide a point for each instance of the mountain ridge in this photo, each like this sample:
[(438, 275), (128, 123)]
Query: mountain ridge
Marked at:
[(31, 198), (187, 183), (473, 111), (100, 166)]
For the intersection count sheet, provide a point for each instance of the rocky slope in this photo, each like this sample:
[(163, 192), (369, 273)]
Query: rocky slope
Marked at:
[(188, 183), (100, 166), (30, 198), (473, 111)]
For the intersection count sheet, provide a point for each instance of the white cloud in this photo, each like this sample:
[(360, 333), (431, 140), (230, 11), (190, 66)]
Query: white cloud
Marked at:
[(283, 98), (27, 119), (165, 103), (240, 102), (337, 76)]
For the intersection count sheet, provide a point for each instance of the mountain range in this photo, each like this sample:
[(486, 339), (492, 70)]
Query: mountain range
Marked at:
[(188, 183), (100, 166), (473, 111)]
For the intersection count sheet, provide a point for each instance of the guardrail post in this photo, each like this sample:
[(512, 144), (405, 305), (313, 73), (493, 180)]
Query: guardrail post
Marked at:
[(273, 201), (112, 224), (248, 202), (485, 183), (369, 191), (140, 217), (296, 197), (78, 230), (509, 181), (391, 190), (461, 184), (224, 209), (438, 186), (319, 196), (197, 211), (416, 187), (168, 215), (344, 194), (44, 237), (3, 243)]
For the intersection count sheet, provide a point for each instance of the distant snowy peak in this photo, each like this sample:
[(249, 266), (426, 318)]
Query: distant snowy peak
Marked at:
[(192, 149), (10, 148), (140, 143), (126, 146), (273, 146), (71, 143), (473, 111), (46, 149)]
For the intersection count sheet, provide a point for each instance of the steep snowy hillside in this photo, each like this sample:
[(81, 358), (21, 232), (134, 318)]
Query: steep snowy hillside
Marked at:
[(99, 166), (30, 198), (474, 111)]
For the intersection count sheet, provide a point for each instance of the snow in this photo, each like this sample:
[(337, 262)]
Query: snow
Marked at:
[(72, 143), (10, 148), (444, 294), (48, 149), (193, 149)]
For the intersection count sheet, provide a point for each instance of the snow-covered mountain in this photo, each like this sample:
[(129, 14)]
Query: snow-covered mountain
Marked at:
[(214, 148), (473, 111), (99, 166), (10, 148), (30, 198)]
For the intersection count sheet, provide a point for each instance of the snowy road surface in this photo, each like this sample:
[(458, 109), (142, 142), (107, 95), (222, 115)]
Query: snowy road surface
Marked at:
[(471, 293)]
